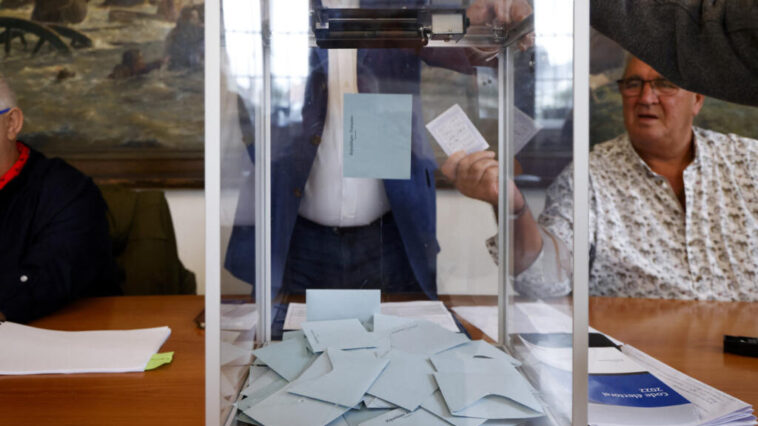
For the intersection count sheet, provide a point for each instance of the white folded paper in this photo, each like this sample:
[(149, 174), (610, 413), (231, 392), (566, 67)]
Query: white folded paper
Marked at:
[(455, 132), (30, 350)]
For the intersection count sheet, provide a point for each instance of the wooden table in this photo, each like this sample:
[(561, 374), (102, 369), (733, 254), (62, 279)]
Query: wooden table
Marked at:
[(686, 335), (170, 395)]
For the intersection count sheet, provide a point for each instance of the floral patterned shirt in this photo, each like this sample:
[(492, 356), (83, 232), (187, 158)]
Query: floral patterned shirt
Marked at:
[(642, 243)]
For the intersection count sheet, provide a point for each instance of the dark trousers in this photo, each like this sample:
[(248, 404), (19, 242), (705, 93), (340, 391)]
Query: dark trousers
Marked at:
[(361, 257)]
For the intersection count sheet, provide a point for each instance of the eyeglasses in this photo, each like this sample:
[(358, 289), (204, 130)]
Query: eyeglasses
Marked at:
[(630, 87), (3, 111)]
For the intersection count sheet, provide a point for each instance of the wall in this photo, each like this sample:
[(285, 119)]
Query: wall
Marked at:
[(188, 213)]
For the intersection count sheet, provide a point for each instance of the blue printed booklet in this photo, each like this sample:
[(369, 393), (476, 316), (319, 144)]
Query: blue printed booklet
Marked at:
[(622, 392)]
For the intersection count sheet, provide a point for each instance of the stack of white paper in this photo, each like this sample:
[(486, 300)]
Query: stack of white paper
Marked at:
[(30, 350), (529, 317)]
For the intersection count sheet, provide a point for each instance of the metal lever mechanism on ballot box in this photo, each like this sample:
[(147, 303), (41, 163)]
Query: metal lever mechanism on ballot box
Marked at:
[(407, 28)]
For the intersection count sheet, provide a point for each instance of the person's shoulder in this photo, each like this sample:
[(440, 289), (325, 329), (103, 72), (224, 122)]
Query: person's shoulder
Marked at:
[(59, 174), (602, 157), (726, 144), (59, 182), (610, 147), (610, 154)]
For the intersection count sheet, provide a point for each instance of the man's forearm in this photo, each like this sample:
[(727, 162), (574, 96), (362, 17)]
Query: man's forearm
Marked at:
[(527, 241)]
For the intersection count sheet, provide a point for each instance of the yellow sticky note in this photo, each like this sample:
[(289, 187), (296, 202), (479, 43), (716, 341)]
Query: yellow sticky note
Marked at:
[(159, 359)]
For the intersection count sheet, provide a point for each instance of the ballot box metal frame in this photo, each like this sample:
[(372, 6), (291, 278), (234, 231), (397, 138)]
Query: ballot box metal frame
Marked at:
[(505, 83)]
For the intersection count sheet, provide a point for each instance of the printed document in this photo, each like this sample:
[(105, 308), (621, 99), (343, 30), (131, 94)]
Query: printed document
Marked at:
[(454, 131)]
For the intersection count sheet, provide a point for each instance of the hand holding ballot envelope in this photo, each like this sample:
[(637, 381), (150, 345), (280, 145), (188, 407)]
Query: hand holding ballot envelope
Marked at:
[(476, 176), (470, 166), (474, 171)]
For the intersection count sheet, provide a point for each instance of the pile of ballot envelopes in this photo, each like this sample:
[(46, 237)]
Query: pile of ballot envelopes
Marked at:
[(385, 370)]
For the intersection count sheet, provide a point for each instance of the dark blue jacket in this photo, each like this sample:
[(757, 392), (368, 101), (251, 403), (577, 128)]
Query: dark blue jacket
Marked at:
[(705, 46), (54, 243), (294, 149)]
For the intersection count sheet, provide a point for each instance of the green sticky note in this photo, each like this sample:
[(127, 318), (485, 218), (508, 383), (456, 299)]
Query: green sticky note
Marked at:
[(159, 359)]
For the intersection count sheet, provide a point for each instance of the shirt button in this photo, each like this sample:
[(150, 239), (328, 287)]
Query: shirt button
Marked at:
[(23, 278), (315, 140)]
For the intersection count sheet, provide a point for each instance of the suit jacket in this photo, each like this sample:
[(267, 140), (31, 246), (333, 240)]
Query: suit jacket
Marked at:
[(708, 47), (294, 148), (144, 243)]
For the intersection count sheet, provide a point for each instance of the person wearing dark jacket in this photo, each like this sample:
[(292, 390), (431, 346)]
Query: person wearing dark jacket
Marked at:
[(54, 242), (704, 46)]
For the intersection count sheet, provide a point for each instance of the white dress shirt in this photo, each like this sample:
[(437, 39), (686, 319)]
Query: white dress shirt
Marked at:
[(330, 199)]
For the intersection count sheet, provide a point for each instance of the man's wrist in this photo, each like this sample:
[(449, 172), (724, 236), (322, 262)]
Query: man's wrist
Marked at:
[(519, 212)]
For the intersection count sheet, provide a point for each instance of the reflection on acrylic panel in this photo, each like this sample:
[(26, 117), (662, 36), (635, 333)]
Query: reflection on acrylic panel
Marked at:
[(108, 80), (289, 53)]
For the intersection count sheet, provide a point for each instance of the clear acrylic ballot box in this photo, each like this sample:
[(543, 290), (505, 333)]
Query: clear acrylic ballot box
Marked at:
[(376, 171)]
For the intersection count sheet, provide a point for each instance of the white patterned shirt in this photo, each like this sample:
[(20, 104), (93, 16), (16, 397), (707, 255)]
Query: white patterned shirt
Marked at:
[(643, 244)]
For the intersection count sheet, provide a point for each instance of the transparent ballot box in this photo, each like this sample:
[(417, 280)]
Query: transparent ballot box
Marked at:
[(376, 252)]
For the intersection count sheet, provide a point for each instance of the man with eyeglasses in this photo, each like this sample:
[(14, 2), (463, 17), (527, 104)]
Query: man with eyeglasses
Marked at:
[(54, 243), (673, 208)]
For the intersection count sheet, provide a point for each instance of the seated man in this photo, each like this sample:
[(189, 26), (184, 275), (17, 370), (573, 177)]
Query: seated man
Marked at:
[(673, 212), (53, 228)]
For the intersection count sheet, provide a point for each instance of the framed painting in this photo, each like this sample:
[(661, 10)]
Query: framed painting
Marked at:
[(114, 88)]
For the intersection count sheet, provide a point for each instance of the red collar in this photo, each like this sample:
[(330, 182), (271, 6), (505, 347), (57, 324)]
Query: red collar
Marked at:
[(15, 170)]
